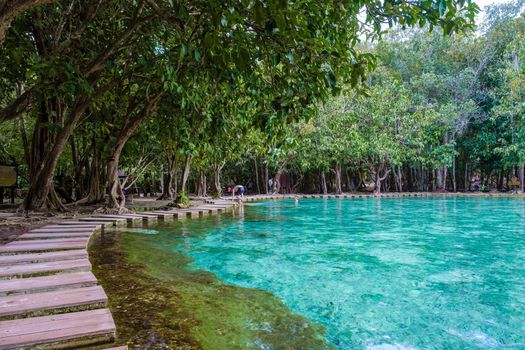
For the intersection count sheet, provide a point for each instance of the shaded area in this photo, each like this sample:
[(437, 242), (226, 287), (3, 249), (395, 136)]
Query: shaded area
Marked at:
[(157, 302)]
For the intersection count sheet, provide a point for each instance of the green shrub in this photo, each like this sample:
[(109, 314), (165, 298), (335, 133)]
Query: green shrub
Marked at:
[(182, 200)]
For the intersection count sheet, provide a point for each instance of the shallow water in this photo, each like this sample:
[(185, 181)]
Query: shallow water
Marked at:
[(391, 273)]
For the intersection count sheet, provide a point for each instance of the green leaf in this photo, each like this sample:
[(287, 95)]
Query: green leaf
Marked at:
[(276, 58)]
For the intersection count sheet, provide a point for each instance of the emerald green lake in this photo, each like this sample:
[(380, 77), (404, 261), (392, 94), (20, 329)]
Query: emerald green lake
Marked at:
[(391, 273)]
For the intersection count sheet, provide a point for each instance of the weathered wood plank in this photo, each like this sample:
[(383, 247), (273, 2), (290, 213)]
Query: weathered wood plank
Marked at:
[(125, 217), (35, 235), (153, 215), (65, 229), (47, 241), (105, 220), (47, 283), (41, 257), (166, 213), (30, 332), (35, 247), (81, 223), (47, 301), (190, 213), (50, 266)]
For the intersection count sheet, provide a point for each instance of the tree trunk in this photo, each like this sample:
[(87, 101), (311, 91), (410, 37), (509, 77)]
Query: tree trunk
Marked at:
[(204, 184), (454, 184), (217, 168), (276, 181), (201, 184), (521, 171), (266, 179), (378, 177), (324, 188), (95, 188), (338, 187), (116, 197), (257, 175), (46, 151), (217, 183), (398, 178), (465, 178), (169, 192), (185, 174)]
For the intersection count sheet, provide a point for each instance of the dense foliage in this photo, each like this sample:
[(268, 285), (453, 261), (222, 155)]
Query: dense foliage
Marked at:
[(321, 96)]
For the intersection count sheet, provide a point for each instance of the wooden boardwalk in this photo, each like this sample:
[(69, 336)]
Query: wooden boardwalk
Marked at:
[(49, 298)]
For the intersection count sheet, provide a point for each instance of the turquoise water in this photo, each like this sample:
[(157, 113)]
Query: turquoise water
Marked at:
[(418, 273)]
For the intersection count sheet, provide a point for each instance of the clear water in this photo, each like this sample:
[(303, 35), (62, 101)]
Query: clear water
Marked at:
[(418, 273)]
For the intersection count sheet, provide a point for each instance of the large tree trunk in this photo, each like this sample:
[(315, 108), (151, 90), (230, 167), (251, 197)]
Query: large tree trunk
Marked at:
[(201, 184), (276, 180), (169, 191), (338, 187), (377, 182), (324, 188), (185, 174), (378, 178), (116, 198), (217, 188), (398, 178), (45, 154)]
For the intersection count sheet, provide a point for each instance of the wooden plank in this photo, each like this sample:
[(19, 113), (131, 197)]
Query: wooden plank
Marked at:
[(67, 229), (34, 235), (30, 332), (166, 213), (83, 223), (8, 248), (50, 266), (189, 213), (211, 209), (41, 257), (143, 214), (46, 283), (47, 301), (105, 220), (124, 218), (151, 214), (48, 241)]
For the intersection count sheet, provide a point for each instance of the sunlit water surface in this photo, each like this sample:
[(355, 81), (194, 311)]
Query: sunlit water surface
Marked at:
[(420, 273)]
